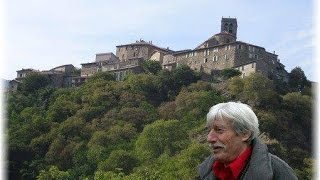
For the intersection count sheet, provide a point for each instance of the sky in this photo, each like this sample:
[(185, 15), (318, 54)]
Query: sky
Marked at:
[(43, 34)]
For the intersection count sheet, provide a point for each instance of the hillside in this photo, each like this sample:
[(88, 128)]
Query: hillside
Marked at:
[(149, 126)]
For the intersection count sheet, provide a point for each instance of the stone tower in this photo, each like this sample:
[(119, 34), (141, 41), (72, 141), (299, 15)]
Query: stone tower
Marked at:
[(229, 25)]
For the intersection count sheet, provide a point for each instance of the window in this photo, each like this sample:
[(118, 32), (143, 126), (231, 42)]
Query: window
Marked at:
[(134, 54), (256, 56), (205, 60), (206, 52), (215, 58), (239, 46), (251, 48), (252, 65), (225, 57), (215, 50), (227, 47)]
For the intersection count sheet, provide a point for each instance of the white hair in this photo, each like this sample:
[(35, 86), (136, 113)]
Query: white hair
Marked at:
[(244, 120)]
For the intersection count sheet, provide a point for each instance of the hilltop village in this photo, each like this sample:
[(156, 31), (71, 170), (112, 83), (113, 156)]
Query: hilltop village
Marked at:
[(221, 51)]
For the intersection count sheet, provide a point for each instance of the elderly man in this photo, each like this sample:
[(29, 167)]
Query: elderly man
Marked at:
[(237, 153)]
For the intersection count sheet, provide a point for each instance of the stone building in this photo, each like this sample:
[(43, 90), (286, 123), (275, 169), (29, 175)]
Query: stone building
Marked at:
[(24, 73), (108, 62), (60, 76), (128, 59), (102, 60), (223, 51), (67, 69), (13, 85), (143, 50), (220, 51)]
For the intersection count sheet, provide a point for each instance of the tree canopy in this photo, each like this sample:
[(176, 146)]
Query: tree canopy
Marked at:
[(149, 126)]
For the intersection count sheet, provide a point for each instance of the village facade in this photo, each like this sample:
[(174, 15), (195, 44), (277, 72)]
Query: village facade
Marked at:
[(221, 51)]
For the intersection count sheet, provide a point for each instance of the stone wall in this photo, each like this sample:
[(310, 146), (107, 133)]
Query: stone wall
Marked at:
[(88, 69), (232, 55), (67, 69), (110, 57), (24, 72), (208, 59), (133, 51), (140, 49), (247, 69)]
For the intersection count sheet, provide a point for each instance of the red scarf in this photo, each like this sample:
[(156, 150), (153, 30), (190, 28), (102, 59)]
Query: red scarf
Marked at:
[(231, 171)]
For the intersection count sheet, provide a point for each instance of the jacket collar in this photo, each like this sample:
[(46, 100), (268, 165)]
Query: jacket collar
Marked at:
[(258, 166)]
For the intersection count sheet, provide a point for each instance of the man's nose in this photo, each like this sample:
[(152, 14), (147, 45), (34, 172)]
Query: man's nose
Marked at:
[(212, 137)]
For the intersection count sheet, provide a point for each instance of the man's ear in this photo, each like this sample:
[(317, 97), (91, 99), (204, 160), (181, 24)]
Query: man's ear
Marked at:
[(245, 136)]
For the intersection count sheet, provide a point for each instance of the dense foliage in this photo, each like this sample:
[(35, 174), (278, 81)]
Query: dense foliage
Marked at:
[(149, 126)]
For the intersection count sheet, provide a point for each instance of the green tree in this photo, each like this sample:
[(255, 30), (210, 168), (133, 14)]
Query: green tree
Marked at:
[(34, 82), (53, 174), (297, 79), (119, 159), (144, 84), (196, 103), (301, 108), (62, 109), (256, 90), (190, 158), (105, 76), (151, 66), (307, 171), (229, 73), (169, 83), (160, 137)]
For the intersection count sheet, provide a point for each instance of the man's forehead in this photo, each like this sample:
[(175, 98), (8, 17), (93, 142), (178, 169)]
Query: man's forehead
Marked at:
[(220, 123)]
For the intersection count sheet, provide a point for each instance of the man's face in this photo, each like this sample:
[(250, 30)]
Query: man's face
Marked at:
[(226, 144)]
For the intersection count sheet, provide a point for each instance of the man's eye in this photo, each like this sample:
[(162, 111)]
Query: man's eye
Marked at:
[(219, 130)]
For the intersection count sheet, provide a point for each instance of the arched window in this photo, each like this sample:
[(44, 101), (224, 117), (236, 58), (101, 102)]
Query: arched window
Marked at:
[(230, 28), (226, 26)]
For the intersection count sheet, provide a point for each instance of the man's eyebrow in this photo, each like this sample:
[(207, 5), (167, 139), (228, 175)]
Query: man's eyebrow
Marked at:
[(220, 126)]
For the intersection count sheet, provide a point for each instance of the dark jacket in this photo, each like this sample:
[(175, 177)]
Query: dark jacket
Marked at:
[(262, 166)]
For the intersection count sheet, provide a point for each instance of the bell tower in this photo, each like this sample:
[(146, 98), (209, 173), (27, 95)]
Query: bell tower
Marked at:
[(229, 25)]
